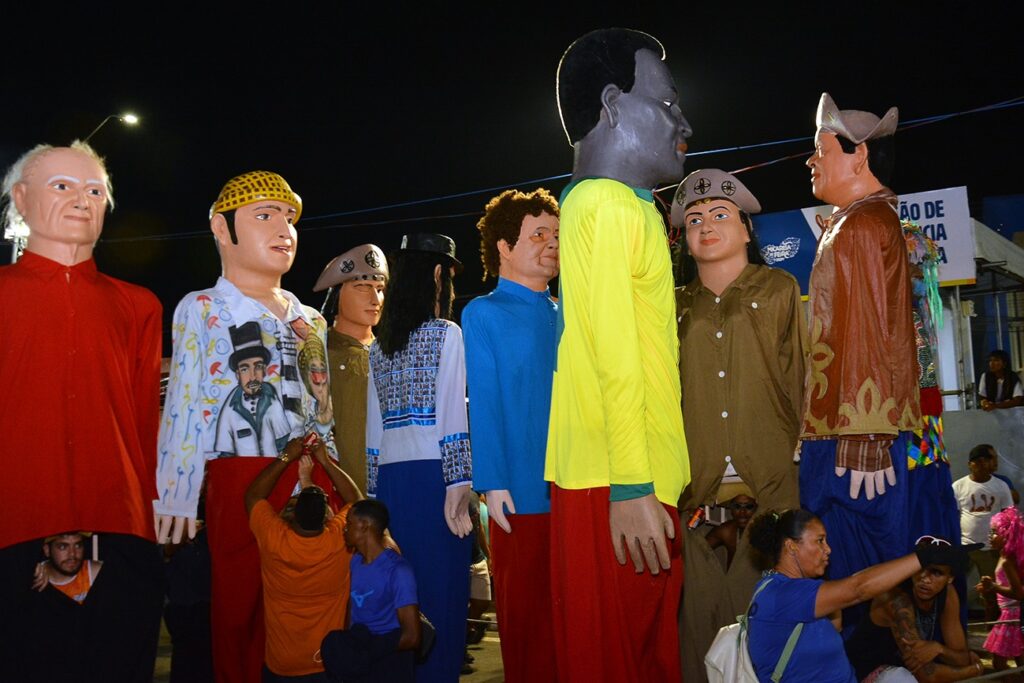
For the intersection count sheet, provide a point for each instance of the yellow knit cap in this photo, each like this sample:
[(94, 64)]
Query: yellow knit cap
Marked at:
[(253, 186)]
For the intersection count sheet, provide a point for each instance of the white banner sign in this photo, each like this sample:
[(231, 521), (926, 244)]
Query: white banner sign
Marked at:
[(945, 218)]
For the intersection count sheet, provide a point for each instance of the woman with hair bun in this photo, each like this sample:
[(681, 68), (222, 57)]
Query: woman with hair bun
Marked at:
[(793, 595)]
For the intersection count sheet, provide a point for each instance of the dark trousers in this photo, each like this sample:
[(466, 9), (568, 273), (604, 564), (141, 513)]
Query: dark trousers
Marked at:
[(271, 677), (191, 653), (112, 636)]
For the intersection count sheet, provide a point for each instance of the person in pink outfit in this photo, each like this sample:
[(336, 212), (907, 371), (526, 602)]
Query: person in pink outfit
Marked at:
[(1005, 641)]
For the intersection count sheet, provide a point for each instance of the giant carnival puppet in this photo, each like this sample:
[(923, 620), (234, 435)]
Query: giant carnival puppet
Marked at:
[(81, 362), (237, 396), (616, 449), (417, 439), (510, 355), (741, 357), (862, 401), (355, 282)]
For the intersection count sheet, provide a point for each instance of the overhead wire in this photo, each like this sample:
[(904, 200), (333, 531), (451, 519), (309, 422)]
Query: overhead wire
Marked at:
[(914, 123)]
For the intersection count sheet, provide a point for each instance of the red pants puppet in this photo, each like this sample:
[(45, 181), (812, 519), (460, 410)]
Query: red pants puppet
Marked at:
[(611, 624), (236, 595), (522, 585)]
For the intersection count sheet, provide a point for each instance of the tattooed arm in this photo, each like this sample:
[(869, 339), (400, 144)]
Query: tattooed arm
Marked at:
[(919, 655)]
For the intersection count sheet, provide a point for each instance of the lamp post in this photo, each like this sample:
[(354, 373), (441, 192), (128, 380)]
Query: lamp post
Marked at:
[(126, 118)]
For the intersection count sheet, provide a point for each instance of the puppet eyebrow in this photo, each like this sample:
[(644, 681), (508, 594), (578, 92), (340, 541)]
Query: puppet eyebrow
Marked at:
[(63, 177)]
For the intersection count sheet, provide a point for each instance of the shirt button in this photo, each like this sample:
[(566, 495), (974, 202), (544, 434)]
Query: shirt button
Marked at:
[(721, 373), (341, 367), (718, 334), (718, 299), (728, 458), (725, 414), (679, 319), (753, 305)]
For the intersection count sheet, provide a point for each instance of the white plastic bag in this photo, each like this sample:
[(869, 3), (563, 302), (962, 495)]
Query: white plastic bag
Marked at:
[(728, 661)]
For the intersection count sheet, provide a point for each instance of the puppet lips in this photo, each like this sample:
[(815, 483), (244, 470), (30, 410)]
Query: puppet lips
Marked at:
[(682, 147), (707, 241)]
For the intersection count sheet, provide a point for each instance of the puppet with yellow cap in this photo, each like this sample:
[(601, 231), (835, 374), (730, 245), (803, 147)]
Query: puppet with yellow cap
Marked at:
[(235, 398)]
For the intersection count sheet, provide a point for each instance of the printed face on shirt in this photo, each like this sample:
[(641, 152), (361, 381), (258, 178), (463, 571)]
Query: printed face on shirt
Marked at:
[(63, 198), (715, 232), (831, 168), (251, 372), (360, 302), (535, 255), (267, 240), (66, 553)]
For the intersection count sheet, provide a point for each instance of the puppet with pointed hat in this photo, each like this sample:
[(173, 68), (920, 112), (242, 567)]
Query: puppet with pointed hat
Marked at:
[(862, 399)]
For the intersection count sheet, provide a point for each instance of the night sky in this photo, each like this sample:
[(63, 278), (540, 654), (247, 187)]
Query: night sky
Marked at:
[(360, 108)]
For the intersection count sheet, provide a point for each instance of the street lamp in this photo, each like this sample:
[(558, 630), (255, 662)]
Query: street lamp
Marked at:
[(126, 118)]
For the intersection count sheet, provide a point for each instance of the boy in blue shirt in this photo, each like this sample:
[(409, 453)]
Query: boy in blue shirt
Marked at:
[(383, 623)]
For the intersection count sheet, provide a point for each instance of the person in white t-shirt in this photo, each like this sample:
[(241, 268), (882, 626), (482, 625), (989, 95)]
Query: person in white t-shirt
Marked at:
[(980, 496)]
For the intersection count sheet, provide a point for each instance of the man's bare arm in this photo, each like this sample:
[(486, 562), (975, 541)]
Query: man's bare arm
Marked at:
[(409, 622), (919, 655), (262, 486), (343, 483)]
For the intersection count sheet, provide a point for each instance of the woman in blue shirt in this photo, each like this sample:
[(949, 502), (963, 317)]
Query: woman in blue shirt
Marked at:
[(795, 593)]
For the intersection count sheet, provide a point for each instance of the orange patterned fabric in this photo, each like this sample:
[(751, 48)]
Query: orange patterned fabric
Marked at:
[(862, 373)]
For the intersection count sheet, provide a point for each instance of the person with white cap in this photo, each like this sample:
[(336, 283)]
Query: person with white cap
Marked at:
[(355, 282), (742, 342), (253, 224), (862, 400)]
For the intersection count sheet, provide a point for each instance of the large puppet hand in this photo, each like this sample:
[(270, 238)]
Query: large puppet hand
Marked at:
[(456, 510), (869, 463), (497, 501), (640, 526), (172, 529)]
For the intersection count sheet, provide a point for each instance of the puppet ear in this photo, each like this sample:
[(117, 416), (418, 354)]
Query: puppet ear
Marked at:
[(610, 103), (860, 161), (219, 228), (503, 247), (18, 197)]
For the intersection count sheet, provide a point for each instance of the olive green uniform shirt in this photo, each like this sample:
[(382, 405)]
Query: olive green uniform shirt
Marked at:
[(350, 368), (742, 374)]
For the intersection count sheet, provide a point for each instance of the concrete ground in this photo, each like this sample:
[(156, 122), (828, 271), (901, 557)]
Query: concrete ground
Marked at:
[(487, 654)]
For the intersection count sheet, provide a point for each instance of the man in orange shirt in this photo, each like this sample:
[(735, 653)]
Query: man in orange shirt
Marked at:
[(65, 567), (303, 561)]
